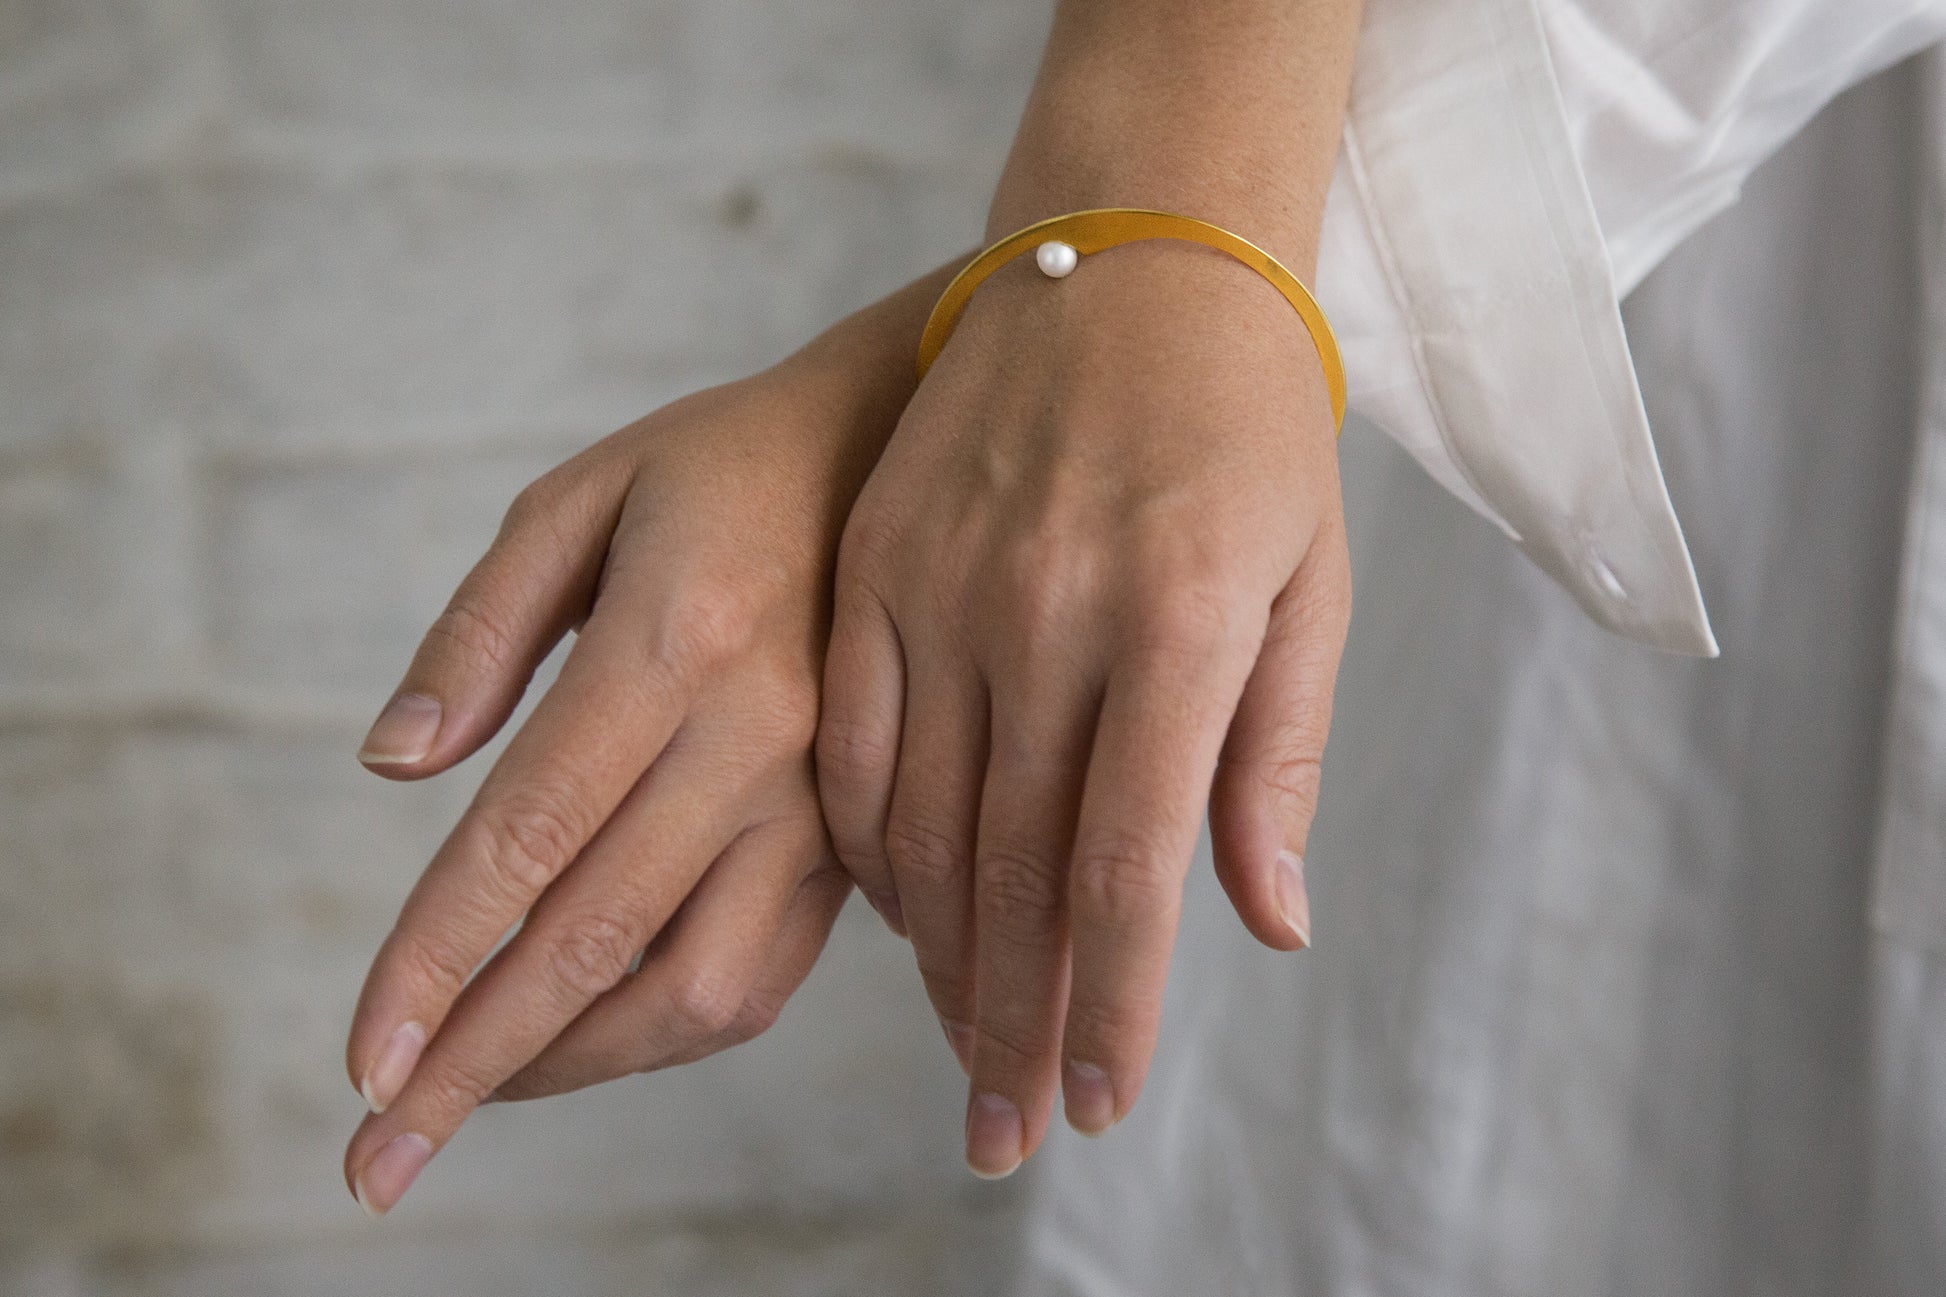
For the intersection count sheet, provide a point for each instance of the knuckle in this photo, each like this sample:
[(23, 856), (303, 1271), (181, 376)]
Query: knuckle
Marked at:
[(705, 1002), (1041, 587), (544, 512), (758, 1015), (923, 854), (1011, 880), (1009, 1047), (1184, 615), (1292, 774), (851, 752), (436, 965), (530, 505), (456, 1089), (530, 836), (1122, 882), (591, 954), (470, 629), (1107, 1030), (712, 627)]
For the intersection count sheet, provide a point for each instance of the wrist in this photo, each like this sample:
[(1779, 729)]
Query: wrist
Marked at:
[(1226, 110), (1093, 160), (861, 369)]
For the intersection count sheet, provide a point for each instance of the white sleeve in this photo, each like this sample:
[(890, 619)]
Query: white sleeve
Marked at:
[(1510, 169)]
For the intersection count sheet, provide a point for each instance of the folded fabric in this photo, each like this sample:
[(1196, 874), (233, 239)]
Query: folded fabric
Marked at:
[(1511, 169)]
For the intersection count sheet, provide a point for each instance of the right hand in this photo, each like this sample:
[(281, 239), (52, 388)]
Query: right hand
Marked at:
[(1096, 585)]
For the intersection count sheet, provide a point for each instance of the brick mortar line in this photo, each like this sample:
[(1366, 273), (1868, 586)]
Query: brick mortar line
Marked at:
[(834, 1224), (734, 156), (241, 446), (190, 708), (343, 449), (328, 449)]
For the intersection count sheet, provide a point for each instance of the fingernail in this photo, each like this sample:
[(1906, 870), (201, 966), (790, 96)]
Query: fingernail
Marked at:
[(1090, 1098), (960, 1037), (993, 1136), (403, 732), (889, 909), (1293, 903), (389, 1174), (388, 1074)]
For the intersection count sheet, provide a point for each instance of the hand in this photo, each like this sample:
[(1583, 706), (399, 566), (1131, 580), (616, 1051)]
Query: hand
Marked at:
[(1097, 583), (660, 797)]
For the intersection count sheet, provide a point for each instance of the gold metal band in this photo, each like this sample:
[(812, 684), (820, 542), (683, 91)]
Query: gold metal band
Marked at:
[(1106, 227)]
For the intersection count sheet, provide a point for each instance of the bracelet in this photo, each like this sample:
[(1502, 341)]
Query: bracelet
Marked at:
[(1061, 241)]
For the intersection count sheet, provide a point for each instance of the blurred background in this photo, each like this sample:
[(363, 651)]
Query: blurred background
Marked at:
[(294, 296)]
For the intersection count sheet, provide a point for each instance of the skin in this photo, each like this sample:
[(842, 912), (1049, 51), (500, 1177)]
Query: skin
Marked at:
[(1096, 582), (659, 800)]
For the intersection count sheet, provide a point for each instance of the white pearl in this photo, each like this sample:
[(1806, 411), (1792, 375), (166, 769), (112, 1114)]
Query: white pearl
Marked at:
[(1056, 259)]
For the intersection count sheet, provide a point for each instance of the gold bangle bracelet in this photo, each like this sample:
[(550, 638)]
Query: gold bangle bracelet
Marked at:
[(1061, 241)]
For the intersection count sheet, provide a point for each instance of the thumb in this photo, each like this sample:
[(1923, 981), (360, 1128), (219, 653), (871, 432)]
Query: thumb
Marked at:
[(533, 585), (1266, 787)]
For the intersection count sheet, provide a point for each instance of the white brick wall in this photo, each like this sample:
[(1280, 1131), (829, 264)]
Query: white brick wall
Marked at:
[(293, 296)]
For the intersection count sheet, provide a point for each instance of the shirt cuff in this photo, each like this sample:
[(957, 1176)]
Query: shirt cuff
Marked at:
[(1465, 270)]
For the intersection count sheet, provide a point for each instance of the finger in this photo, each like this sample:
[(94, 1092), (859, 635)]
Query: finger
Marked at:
[(1266, 787), (1028, 805), (929, 832), (1155, 752), (605, 720), (576, 946), (806, 929), (534, 583), (858, 742), (699, 973)]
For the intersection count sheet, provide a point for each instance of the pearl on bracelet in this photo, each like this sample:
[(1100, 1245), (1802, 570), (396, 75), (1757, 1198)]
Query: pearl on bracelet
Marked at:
[(1056, 259)]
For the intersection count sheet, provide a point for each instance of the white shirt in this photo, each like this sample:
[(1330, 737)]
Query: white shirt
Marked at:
[(1596, 1007), (1511, 169)]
